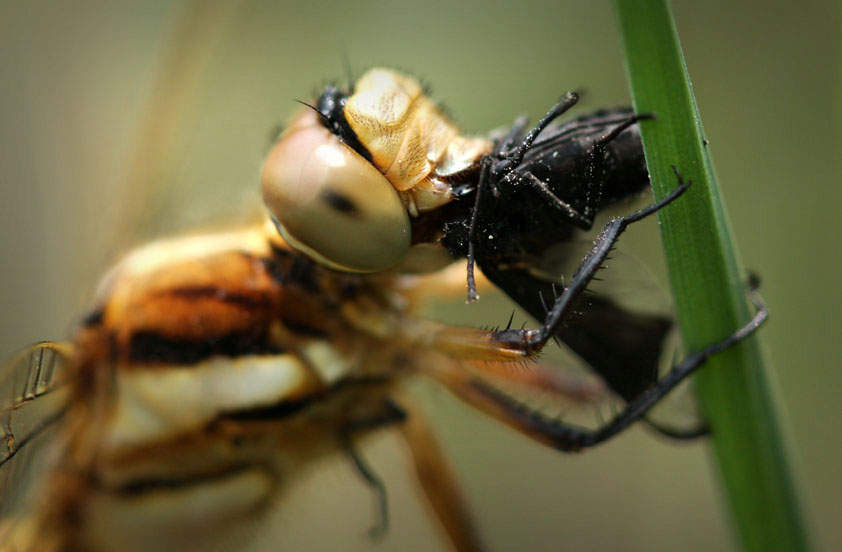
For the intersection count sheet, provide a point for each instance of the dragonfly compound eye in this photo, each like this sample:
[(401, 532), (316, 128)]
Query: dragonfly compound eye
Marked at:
[(332, 204)]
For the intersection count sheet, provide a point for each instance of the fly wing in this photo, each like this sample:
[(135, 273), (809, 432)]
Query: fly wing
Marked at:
[(32, 400), (620, 345), (621, 328)]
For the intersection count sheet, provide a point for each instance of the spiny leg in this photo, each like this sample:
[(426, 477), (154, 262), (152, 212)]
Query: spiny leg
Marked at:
[(515, 155), (472, 229), (532, 341), (597, 165), (584, 218), (434, 473), (499, 165), (510, 345), (506, 344), (472, 387), (570, 437)]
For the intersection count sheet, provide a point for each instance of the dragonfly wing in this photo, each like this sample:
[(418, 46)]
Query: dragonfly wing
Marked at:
[(32, 400), (179, 177)]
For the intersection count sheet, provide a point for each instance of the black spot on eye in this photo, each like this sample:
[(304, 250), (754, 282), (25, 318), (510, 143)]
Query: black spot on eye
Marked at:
[(340, 203)]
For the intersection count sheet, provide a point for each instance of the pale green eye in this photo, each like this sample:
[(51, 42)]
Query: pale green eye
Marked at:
[(332, 204)]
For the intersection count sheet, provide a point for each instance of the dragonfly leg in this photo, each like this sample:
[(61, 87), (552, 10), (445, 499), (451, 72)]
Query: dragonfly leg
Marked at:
[(439, 482), (569, 437), (557, 434), (391, 415)]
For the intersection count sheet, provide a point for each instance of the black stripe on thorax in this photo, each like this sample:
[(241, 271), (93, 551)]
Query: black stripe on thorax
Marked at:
[(149, 347)]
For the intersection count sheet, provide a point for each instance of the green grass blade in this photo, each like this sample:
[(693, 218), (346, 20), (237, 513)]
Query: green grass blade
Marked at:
[(707, 284)]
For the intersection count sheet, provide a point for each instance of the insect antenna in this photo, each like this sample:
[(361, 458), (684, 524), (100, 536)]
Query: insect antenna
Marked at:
[(313, 107)]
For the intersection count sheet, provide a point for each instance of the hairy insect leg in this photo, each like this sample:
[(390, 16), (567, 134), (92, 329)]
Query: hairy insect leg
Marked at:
[(515, 156), (511, 344), (447, 284), (472, 229), (597, 166), (569, 437), (544, 191), (557, 434), (438, 481), (501, 163), (584, 218), (530, 342)]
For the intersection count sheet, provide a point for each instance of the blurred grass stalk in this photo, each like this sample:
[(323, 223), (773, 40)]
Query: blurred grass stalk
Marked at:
[(708, 286)]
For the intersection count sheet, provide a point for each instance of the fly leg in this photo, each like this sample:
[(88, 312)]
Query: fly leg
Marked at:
[(508, 344), (448, 284), (431, 466), (532, 341), (392, 414), (597, 166), (584, 218), (571, 438), (512, 344), (501, 164), (472, 386)]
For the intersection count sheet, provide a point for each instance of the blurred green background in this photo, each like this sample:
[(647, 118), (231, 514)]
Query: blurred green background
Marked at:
[(82, 136)]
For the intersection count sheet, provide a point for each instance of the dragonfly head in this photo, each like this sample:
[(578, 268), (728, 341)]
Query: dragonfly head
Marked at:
[(331, 203)]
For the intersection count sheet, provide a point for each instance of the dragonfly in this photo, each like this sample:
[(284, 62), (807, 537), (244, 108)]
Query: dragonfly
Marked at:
[(212, 368)]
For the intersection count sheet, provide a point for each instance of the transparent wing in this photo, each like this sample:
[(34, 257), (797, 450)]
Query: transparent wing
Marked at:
[(32, 400), (623, 323), (197, 154)]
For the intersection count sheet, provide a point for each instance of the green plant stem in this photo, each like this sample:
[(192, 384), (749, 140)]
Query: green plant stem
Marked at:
[(708, 286)]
